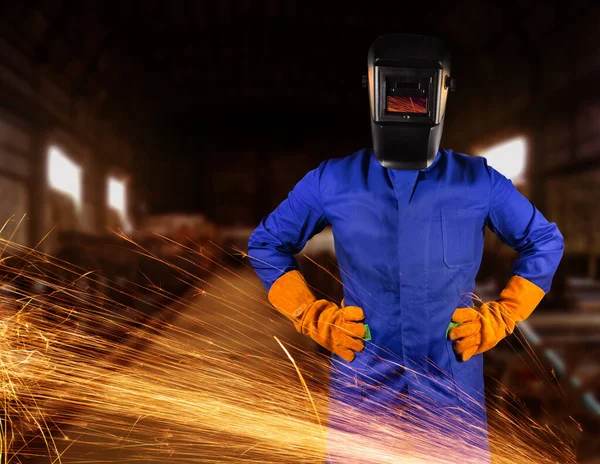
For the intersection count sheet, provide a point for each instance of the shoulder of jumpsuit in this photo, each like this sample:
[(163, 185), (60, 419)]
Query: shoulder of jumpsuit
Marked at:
[(467, 166), (348, 171), (459, 170), (447, 161)]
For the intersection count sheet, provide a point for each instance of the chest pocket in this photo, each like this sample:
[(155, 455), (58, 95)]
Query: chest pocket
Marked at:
[(462, 236)]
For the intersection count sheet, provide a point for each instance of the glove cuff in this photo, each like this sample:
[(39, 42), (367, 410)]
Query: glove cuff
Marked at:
[(520, 297), (291, 296)]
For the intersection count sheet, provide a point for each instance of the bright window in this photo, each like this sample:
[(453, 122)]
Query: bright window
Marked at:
[(117, 199), (64, 174), (509, 158), (116, 194)]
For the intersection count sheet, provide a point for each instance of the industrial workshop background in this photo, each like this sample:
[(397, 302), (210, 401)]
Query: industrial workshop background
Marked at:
[(192, 120)]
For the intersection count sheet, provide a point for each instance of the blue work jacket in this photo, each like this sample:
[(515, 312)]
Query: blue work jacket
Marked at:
[(409, 245)]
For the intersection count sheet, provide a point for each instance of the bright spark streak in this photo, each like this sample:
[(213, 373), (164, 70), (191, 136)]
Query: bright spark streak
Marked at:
[(86, 379)]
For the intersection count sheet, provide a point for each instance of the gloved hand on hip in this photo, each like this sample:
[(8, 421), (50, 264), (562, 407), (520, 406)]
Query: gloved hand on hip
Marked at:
[(476, 331), (338, 329)]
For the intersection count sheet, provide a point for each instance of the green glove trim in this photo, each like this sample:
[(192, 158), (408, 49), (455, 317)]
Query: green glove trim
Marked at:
[(452, 325), (368, 332)]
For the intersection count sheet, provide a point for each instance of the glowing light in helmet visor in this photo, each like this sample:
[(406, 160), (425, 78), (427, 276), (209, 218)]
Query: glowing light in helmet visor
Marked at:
[(406, 104)]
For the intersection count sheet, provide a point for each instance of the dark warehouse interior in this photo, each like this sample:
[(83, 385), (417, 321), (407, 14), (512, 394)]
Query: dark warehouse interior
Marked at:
[(177, 80), (204, 115)]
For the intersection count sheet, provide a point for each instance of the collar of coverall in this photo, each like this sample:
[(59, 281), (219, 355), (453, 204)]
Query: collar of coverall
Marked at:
[(435, 161), (431, 166)]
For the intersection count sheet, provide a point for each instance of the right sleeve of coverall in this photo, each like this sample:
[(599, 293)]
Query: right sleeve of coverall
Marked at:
[(283, 233)]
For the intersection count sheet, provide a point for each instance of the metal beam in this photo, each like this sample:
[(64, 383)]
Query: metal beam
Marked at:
[(563, 320)]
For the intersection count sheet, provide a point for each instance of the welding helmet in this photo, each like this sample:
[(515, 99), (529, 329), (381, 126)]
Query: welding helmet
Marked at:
[(408, 81)]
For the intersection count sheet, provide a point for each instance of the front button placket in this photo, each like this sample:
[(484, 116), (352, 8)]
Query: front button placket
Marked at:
[(404, 184)]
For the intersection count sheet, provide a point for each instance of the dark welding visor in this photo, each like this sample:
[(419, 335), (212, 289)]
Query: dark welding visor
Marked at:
[(407, 95)]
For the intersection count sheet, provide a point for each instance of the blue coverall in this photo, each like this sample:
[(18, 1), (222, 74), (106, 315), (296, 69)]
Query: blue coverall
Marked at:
[(409, 245)]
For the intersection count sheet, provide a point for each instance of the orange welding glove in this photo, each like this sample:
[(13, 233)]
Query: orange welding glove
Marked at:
[(477, 330), (339, 330)]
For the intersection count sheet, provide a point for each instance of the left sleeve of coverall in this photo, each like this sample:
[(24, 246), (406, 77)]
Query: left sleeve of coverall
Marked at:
[(282, 234), (518, 223)]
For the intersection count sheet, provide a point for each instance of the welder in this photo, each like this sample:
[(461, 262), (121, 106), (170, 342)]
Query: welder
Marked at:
[(408, 219)]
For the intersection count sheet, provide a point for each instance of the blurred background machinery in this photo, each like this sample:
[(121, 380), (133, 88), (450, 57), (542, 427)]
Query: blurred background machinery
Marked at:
[(189, 121)]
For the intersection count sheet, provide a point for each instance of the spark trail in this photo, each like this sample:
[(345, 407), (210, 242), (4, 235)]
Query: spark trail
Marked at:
[(84, 379)]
